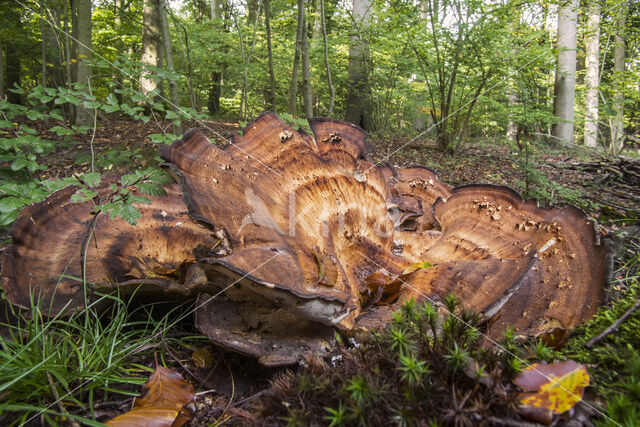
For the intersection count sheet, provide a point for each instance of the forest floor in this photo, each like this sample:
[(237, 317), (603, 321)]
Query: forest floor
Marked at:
[(553, 175)]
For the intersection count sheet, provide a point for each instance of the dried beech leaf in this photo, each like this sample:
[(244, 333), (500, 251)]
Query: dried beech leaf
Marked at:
[(556, 387), (167, 393)]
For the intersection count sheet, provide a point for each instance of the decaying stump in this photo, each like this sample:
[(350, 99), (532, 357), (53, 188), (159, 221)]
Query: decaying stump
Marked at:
[(284, 236)]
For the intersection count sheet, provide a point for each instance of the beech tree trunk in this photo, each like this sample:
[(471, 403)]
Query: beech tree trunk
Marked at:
[(619, 53), (271, 93), (168, 56), (332, 90), (592, 79), (306, 75), (358, 99), (215, 88), (83, 71), (150, 43), (293, 89), (564, 89)]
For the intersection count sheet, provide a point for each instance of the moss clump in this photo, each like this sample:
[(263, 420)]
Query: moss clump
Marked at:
[(427, 365)]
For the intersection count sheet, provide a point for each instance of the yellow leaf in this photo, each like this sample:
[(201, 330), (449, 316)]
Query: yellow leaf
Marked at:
[(556, 386), (415, 267)]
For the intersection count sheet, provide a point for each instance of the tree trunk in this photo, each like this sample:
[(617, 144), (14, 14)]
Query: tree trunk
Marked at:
[(83, 116), (592, 79), (168, 56), (619, 52), (564, 89), (2, 64), (150, 41), (215, 88), (12, 56), (306, 75), (358, 99), (271, 94), (55, 45), (67, 47), (43, 45), (293, 89), (332, 90)]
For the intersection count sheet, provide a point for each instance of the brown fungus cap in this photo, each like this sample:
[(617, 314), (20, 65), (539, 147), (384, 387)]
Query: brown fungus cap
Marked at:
[(59, 245), (285, 235)]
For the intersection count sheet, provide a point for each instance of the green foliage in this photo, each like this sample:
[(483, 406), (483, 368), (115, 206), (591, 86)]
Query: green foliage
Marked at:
[(24, 150)]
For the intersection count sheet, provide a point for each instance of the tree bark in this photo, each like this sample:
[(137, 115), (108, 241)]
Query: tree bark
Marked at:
[(2, 64), (168, 56), (619, 52), (592, 79), (215, 88), (332, 90), (12, 56), (306, 75), (564, 89), (271, 94), (358, 99), (83, 73), (150, 41), (293, 89), (43, 45)]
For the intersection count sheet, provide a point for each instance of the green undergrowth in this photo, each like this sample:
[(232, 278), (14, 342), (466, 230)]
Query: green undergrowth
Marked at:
[(53, 370), (426, 366)]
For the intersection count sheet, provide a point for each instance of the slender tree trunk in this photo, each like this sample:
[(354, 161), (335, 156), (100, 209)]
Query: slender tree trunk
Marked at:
[(564, 89), (55, 44), (193, 101), (67, 47), (316, 31), (83, 116), (12, 56), (150, 40), (358, 99), (619, 52), (332, 90), (73, 11), (215, 88), (2, 74), (293, 90), (592, 80), (271, 94), (43, 45), (306, 75), (168, 55)]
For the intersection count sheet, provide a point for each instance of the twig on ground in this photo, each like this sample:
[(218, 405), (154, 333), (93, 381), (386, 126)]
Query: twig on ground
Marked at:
[(613, 327)]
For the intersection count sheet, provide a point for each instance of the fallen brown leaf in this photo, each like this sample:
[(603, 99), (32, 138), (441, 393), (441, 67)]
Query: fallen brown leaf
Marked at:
[(167, 393)]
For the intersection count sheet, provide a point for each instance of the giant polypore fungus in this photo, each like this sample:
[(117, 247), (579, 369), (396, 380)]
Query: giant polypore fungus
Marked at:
[(283, 236)]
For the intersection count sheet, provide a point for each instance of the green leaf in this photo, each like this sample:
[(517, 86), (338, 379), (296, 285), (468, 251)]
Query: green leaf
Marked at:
[(91, 104), (83, 195), (10, 204), (140, 199), (18, 164), (151, 188), (56, 114), (112, 99), (91, 178), (171, 115), (35, 115), (61, 131)]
